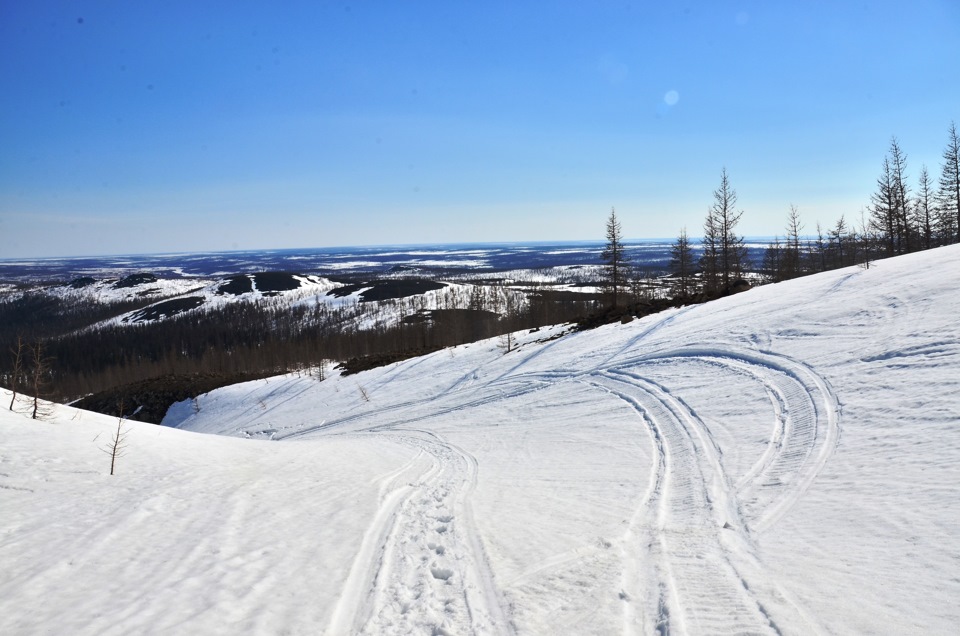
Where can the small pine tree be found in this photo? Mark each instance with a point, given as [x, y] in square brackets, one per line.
[507, 342]
[710, 255]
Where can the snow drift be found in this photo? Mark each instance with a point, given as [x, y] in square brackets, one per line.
[786, 460]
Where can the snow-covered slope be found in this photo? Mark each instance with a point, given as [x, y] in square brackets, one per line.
[786, 460]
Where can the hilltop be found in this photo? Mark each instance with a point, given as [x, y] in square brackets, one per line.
[785, 460]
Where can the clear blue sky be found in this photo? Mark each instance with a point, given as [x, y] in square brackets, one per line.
[129, 127]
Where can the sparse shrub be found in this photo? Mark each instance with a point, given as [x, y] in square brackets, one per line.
[117, 446]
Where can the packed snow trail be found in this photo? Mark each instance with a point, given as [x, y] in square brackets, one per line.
[696, 588]
[701, 575]
[429, 572]
[806, 426]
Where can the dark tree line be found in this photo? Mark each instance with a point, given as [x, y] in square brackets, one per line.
[901, 220]
[722, 261]
[840, 246]
[907, 220]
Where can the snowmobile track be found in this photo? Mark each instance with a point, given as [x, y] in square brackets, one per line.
[696, 588]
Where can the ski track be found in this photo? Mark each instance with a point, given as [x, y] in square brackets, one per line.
[550, 344]
[647, 332]
[422, 567]
[378, 412]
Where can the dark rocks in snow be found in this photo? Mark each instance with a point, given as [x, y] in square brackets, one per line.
[739, 285]
[81, 282]
[133, 280]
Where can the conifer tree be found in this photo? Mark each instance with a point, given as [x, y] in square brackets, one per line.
[891, 202]
[681, 265]
[791, 251]
[616, 268]
[924, 210]
[725, 255]
[710, 256]
[38, 380]
[949, 193]
[838, 238]
[772, 267]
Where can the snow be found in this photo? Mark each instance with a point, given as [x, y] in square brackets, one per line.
[352, 265]
[311, 289]
[187, 537]
[786, 460]
[106, 291]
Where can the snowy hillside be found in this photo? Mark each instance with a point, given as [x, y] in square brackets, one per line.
[786, 460]
[175, 296]
[377, 303]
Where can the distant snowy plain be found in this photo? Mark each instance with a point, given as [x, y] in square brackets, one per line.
[786, 460]
[467, 259]
[399, 260]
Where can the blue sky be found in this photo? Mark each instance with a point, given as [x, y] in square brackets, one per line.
[132, 127]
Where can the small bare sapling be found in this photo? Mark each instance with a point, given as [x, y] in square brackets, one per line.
[507, 342]
[117, 446]
[17, 369]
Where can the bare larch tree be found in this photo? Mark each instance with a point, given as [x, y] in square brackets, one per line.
[616, 267]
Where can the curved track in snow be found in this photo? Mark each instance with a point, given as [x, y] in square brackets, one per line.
[690, 561]
[806, 426]
[678, 531]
